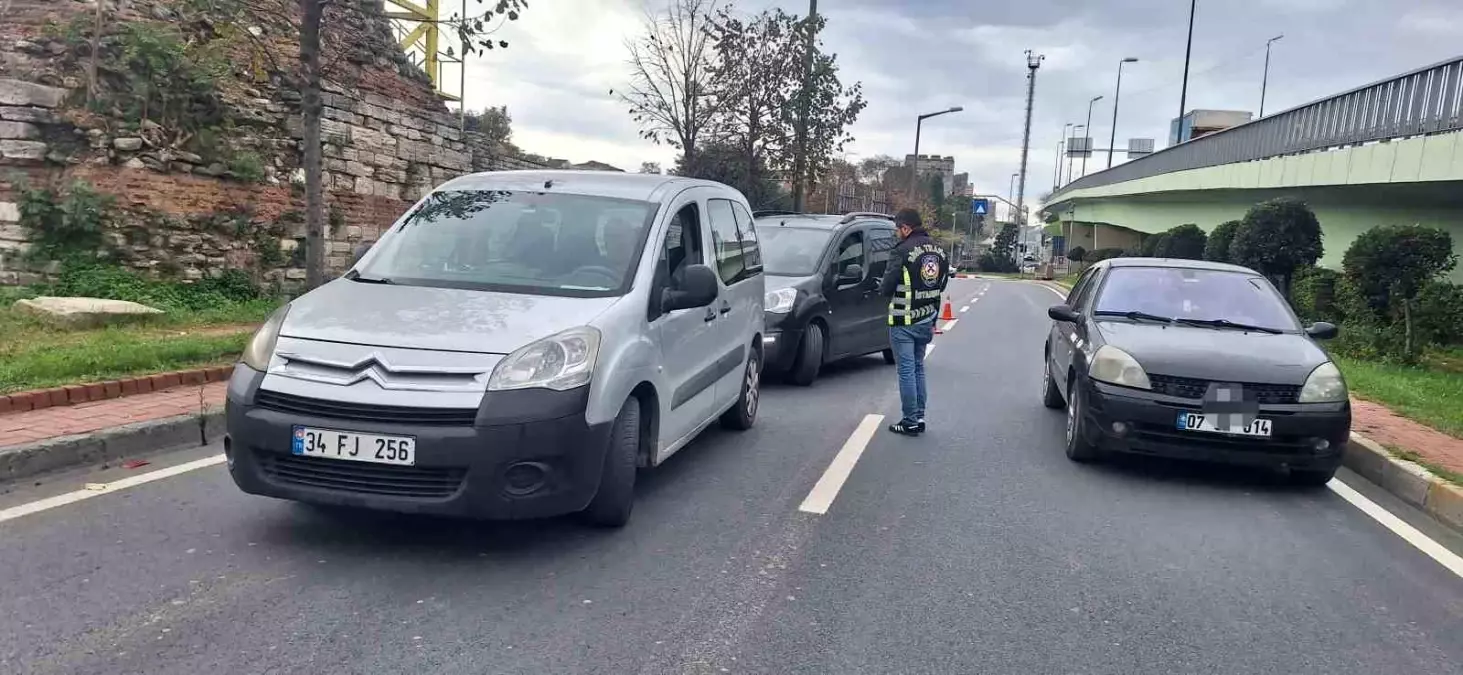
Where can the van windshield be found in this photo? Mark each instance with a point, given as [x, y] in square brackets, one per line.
[520, 242]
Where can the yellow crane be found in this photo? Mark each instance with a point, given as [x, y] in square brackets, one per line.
[418, 28]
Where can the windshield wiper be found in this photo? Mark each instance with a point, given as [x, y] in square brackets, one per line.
[1135, 316]
[356, 276]
[1226, 323]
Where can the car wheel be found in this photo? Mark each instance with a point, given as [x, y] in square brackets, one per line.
[810, 357]
[1079, 449]
[1050, 396]
[744, 414]
[615, 499]
[1313, 479]
[888, 357]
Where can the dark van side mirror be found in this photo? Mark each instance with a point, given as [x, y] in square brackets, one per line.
[1062, 313]
[697, 289]
[852, 274]
[1322, 330]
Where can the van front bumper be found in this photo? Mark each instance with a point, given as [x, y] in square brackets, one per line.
[527, 454]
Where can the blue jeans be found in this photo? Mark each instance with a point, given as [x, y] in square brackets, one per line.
[909, 344]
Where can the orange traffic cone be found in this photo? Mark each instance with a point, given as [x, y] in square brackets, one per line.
[948, 314]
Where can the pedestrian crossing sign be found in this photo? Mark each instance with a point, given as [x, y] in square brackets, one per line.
[979, 207]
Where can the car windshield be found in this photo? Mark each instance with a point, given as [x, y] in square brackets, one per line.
[1195, 294]
[791, 251]
[525, 242]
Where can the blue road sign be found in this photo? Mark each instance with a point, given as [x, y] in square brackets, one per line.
[980, 207]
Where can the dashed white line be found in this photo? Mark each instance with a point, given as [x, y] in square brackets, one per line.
[818, 501]
[929, 348]
[1399, 527]
[99, 489]
[965, 309]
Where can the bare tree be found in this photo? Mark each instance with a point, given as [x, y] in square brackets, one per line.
[669, 93]
[650, 167]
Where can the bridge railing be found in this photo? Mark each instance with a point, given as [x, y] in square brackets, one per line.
[1425, 101]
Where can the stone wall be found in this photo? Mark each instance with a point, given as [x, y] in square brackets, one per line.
[388, 139]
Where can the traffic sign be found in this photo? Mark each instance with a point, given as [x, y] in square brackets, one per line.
[980, 207]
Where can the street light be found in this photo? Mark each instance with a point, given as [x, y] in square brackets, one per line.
[914, 170]
[1062, 143]
[1011, 189]
[1188, 53]
[1094, 100]
[1075, 128]
[1265, 81]
[1117, 93]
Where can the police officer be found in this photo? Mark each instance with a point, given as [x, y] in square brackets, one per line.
[917, 274]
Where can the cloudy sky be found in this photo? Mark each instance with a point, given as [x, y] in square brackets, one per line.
[918, 56]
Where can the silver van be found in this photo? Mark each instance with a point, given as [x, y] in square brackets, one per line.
[515, 346]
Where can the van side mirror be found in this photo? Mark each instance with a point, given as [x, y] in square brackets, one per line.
[697, 289]
[1322, 330]
[852, 274]
[1062, 313]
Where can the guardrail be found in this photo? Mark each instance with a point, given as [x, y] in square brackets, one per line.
[1425, 101]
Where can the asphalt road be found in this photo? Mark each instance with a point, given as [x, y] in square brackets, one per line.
[976, 549]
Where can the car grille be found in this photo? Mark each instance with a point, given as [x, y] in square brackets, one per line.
[1190, 388]
[361, 477]
[273, 400]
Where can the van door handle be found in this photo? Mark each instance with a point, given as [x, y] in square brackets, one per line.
[710, 315]
[725, 307]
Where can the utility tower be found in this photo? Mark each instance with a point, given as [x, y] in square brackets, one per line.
[1033, 62]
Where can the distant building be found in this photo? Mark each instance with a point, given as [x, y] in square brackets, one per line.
[933, 164]
[961, 186]
[1204, 122]
[591, 165]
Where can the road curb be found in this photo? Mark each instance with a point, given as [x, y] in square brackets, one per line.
[1406, 480]
[132, 440]
[55, 397]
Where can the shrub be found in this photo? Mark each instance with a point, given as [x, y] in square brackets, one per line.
[1313, 295]
[247, 167]
[988, 262]
[1075, 255]
[1276, 238]
[1185, 241]
[1217, 248]
[1152, 243]
[66, 224]
[1438, 314]
[1102, 254]
[1388, 266]
[118, 283]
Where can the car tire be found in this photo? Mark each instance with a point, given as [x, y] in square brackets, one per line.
[1051, 397]
[1079, 449]
[888, 357]
[615, 498]
[810, 357]
[743, 415]
[1311, 479]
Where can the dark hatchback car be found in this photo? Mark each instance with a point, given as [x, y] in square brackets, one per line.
[822, 274]
[1194, 360]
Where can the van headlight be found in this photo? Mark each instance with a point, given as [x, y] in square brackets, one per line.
[780, 301]
[1324, 385]
[1115, 366]
[261, 347]
[559, 362]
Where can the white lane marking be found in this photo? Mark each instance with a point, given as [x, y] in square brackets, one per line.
[838, 471]
[949, 324]
[1059, 293]
[965, 309]
[929, 348]
[99, 489]
[1399, 527]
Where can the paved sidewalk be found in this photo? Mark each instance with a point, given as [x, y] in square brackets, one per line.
[1390, 429]
[36, 425]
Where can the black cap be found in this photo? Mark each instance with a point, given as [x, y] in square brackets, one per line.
[909, 218]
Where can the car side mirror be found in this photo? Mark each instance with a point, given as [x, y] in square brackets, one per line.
[1062, 313]
[852, 274]
[697, 289]
[1322, 330]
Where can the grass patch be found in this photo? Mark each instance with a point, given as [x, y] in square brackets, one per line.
[1431, 396]
[1440, 471]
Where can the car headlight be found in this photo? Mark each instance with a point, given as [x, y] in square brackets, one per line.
[1115, 366]
[261, 347]
[1324, 385]
[780, 301]
[559, 362]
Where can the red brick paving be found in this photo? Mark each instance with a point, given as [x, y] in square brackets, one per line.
[1388, 428]
[23, 427]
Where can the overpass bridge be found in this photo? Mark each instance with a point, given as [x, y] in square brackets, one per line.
[1390, 152]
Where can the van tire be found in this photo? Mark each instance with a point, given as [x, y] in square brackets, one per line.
[743, 415]
[615, 498]
[810, 357]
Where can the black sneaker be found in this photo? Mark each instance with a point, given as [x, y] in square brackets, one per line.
[907, 428]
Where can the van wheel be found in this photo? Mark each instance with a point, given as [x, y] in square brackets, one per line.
[810, 357]
[1079, 449]
[744, 414]
[888, 357]
[613, 502]
[1050, 396]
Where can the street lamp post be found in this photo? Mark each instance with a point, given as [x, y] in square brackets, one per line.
[919, 122]
[1075, 129]
[1011, 188]
[1188, 52]
[1094, 100]
[1265, 81]
[1061, 144]
[1117, 93]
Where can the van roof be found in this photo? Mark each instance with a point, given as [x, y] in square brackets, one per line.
[638, 186]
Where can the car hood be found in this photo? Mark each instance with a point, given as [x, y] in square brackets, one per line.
[417, 317]
[1216, 354]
